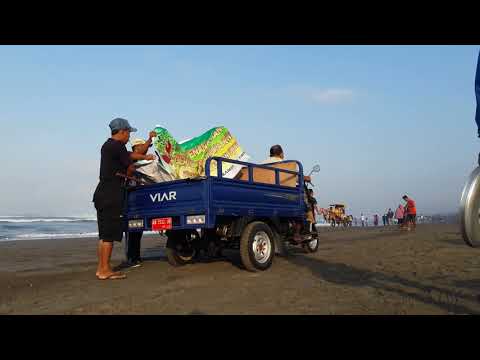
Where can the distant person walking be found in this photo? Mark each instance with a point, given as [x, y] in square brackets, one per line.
[384, 219]
[362, 218]
[390, 217]
[375, 220]
[399, 214]
[411, 213]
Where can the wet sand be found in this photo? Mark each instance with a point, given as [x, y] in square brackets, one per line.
[355, 271]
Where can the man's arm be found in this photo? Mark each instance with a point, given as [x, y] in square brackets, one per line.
[143, 149]
[126, 157]
[137, 156]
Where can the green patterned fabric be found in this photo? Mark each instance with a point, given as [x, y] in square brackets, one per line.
[187, 159]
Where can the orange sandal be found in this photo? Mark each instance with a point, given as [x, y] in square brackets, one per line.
[113, 276]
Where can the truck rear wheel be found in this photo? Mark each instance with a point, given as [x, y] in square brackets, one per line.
[257, 247]
[179, 258]
[179, 250]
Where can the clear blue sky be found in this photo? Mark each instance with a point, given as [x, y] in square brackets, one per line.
[380, 120]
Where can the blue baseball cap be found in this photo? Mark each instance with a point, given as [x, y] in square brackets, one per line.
[121, 124]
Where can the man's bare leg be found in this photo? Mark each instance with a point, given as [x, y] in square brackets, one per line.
[104, 252]
[105, 271]
[99, 252]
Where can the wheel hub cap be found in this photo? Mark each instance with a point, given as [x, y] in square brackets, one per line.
[262, 247]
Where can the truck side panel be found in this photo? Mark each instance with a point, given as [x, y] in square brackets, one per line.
[238, 198]
[176, 199]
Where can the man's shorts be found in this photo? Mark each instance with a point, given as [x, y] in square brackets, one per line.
[412, 218]
[310, 216]
[110, 225]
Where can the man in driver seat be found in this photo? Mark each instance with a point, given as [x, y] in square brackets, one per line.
[277, 155]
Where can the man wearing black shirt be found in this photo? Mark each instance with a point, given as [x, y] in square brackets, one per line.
[109, 195]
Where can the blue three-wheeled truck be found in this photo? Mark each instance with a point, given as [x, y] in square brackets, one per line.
[258, 213]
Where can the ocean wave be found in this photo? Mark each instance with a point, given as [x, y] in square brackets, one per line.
[23, 220]
[44, 236]
[37, 236]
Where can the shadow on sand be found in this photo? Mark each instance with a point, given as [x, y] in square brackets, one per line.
[157, 253]
[343, 274]
[470, 284]
[457, 242]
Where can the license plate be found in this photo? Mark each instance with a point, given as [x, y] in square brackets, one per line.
[161, 224]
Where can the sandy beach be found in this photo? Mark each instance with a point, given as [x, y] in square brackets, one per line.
[356, 271]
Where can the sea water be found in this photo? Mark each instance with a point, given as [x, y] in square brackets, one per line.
[31, 228]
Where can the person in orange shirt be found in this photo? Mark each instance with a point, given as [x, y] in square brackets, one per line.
[411, 211]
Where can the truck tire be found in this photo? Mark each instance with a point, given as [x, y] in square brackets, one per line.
[175, 258]
[257, 246]
[177, 254]
[469, 210]
[312, 246]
